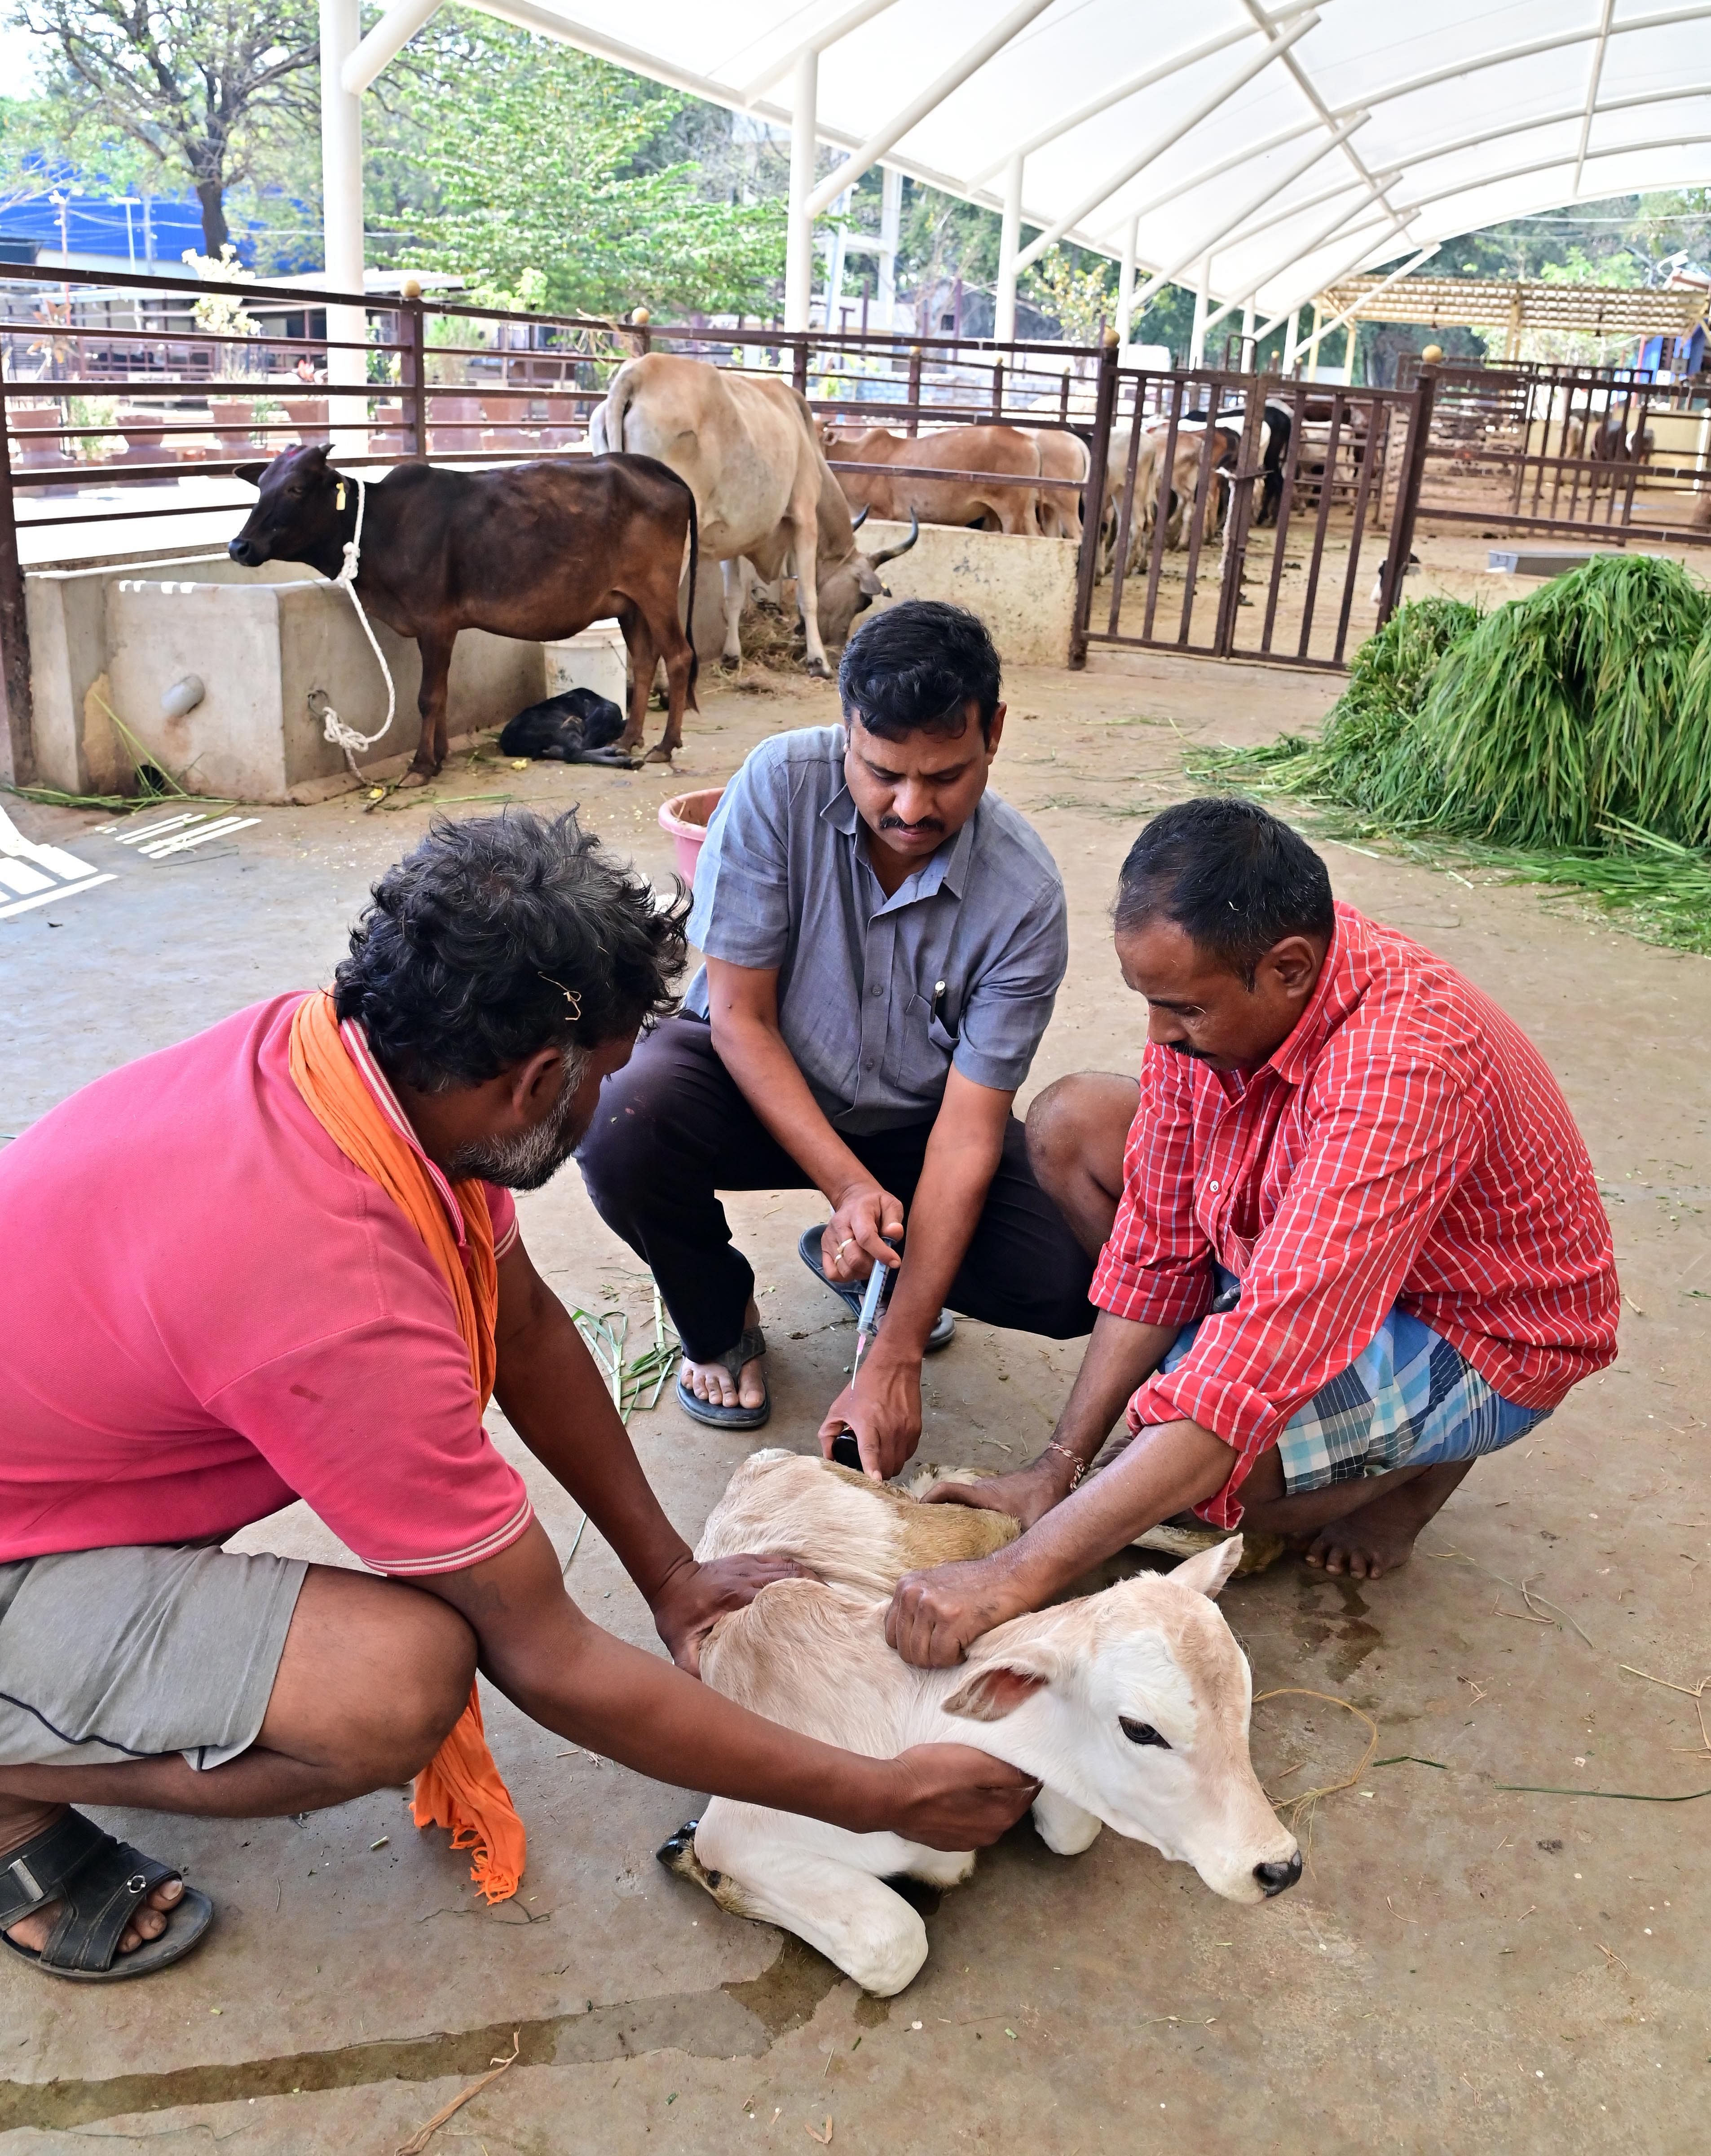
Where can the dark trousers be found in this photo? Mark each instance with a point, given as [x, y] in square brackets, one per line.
[672, 1130]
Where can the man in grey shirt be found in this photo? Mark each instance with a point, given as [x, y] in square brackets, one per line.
[883, 941]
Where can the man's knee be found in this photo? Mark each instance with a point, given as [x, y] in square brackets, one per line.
[1071, 1126]
[428, 1688]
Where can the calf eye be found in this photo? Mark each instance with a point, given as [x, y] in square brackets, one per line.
[1142, 1732]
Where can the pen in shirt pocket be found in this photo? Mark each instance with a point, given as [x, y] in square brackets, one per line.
[936, 1016]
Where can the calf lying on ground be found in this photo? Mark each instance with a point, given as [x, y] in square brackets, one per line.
[1131, 1706]
[578, 727]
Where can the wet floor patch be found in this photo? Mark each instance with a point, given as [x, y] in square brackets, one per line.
[732, 2021]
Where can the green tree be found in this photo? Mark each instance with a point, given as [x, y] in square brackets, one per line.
[525, 154]
[199, 86]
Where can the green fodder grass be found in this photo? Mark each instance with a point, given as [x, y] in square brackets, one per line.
[1582, 707]
[1563, 740]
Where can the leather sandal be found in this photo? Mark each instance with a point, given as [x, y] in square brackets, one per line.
[103, 1883]
[849, 1293]
[753, 1344]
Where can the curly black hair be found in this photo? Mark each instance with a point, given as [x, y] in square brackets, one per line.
[500, 935]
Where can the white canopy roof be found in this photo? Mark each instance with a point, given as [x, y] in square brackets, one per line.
[1294, 144]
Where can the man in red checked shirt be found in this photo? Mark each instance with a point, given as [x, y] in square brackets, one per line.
[1352, 1241]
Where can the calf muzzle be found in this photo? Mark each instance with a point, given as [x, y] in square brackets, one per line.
[1276, 1878]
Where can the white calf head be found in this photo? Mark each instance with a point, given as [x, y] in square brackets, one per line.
[1134, 1703]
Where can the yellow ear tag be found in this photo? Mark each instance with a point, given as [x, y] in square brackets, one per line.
[339, 504]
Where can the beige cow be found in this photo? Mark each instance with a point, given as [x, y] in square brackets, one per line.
[1131, 1706]
[747, 446]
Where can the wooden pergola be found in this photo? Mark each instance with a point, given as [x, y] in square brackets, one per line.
[1611, 310]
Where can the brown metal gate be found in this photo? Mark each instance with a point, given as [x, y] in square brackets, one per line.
[1588, 452]
[1249, 516]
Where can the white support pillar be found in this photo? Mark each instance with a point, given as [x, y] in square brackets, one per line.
[1292, 349]
[1249, 355]
[1196, 341]
[1313, 341]
[341, 198]
[837, 253]
[799, 241]
[890, 231]
[1125, 286]
[1009, 246]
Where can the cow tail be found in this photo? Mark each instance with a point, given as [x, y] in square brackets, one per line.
[694, 557]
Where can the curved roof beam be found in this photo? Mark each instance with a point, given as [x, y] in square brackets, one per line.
[1308, 89]
[1476, 62]
[1173, 134]
[384, 42]
[864, 11]
[1398, 223]
[887, 137]
[1413, 159]
[1245, 155]
[1238, 236]
[1593, 80]
[1205, 244]
[1413, 211]
[1472, 185]
[1133, 87]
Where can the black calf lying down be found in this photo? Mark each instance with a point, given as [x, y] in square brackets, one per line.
[578, 727]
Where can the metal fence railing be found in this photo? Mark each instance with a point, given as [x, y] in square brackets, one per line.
[1587, 453]
[1219, 513]
[1231, 492]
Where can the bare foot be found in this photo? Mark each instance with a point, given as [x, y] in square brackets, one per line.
[33, 1931]
[1379, 1538]
[713, 1383]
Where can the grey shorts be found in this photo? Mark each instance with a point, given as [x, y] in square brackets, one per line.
[109, 1655]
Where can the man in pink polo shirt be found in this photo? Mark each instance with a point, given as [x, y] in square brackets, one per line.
[221, 1312]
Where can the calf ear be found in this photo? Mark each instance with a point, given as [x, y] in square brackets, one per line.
[993, 1692]
[1207, 1573]
[249, 474]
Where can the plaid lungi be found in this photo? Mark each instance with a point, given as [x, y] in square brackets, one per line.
[1410, 1400]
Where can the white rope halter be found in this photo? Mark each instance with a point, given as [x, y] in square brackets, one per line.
[333, 727]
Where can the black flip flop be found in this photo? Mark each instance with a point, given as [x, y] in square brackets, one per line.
[752, 1344]
[102, 1883]
[849, 1293]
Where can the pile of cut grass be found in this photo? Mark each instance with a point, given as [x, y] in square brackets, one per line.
[1563, 739]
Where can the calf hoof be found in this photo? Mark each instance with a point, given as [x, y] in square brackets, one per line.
[820, 670]
[678, 1857]
[730, 661]
[659, 754]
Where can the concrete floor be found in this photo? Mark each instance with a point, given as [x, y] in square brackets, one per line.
[1461, 1969]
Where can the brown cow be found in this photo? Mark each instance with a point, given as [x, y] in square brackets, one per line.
[1064, 465]
[949, 500]
[536, 550]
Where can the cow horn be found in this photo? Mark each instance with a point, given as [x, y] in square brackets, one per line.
[859, 519]
[890, 553]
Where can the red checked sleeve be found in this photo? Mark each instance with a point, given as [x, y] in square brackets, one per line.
[1156, 1268]
[1390, 1139]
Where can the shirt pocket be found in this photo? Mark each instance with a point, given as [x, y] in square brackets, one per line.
[923, 1051]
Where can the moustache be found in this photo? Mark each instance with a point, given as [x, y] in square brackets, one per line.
[1194, 1055]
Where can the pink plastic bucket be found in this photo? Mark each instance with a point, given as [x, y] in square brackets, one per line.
[686, 816]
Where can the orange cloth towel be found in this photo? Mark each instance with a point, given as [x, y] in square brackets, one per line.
[460, 1787]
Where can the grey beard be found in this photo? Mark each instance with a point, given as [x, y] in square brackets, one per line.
[535, 1157]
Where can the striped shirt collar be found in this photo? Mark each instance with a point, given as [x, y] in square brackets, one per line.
[356, 1047]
